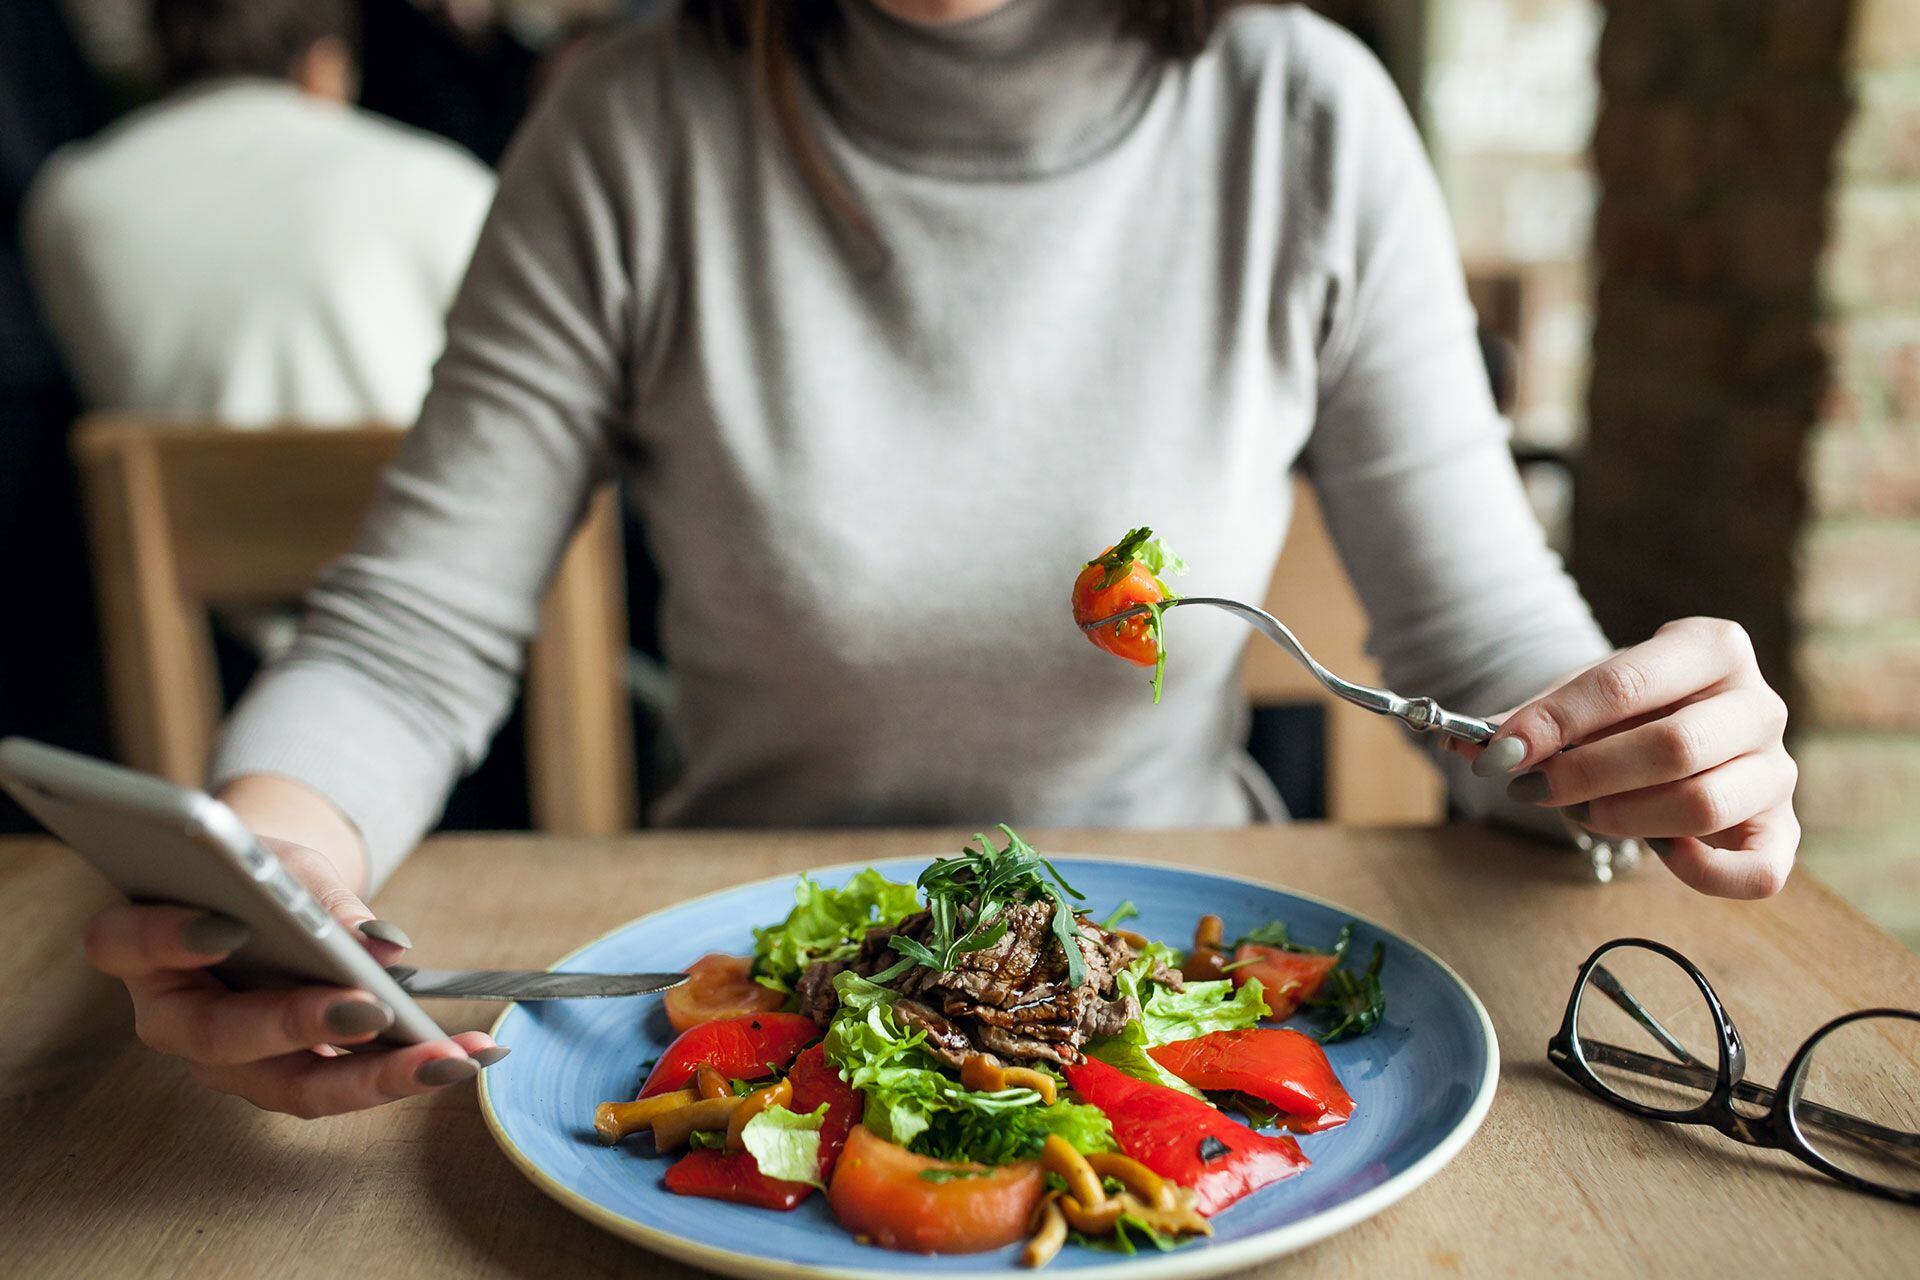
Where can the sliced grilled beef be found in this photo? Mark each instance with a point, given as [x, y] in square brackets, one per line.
[1012, 1000]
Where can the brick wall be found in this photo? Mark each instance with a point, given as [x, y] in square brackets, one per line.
[1755, 409]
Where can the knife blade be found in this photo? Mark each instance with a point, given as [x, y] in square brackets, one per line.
[527, 984]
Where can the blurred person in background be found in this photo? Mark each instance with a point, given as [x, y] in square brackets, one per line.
[892, 312]
[252, 249]
[49, 673]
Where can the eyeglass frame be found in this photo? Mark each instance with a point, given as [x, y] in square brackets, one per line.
[1778, 1129]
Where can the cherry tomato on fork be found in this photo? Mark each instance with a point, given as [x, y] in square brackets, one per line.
[1117, 580]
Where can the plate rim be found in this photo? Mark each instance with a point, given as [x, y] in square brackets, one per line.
[1183, 1264]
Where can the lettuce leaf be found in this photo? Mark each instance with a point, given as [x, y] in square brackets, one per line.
[786, 1145]
[912, 1100]
[1128, 1052]
[827, 924]
[1167, 1015]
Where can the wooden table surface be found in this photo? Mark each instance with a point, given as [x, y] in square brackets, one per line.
[112, 1163]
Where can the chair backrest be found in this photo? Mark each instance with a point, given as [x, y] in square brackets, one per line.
[187, 517]
[1376, 776]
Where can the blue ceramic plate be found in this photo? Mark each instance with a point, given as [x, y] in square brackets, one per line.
[1421, 1084]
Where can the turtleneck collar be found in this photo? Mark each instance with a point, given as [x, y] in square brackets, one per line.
[1032, 88]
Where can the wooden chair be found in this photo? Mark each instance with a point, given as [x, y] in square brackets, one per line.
[185, 518]
[1376, 776]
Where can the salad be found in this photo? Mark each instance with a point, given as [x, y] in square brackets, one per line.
[972, 1061]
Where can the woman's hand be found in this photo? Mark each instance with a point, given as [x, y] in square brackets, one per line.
[1678, 740]
[272, 1047]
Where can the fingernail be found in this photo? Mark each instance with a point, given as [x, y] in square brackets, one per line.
[381, 931]
[358, 1017]
[214, 935]
[443, 1071]
[1500, 757]
[1530, 788]
[1578, 812]
[1660, 845]
[491, 1054]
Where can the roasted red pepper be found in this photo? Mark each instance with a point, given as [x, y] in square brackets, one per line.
[1285, 1068]
[732, 1175]
[1182, 1138]
[815, 1080]
[749, 1048]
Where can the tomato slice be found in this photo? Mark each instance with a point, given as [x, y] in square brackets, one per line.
[878, 1193]
[1182, 1138]
[718, 987]
[1288, 978]
[732, 1176]
[1286, 1068]
[815, 1080]
[1132, 639]
[749, 1048]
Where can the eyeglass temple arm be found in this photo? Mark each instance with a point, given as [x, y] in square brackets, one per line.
[1702, 1077]
[1617, 992]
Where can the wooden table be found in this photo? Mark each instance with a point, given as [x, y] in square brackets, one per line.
[112, 1163]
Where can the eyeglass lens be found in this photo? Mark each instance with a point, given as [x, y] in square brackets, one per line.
[1647, 1032]
[1858, 1103]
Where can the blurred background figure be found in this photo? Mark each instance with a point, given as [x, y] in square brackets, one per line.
[49, 676]
[251, 249]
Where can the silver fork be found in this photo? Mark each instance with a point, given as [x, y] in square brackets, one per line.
[1424, 715]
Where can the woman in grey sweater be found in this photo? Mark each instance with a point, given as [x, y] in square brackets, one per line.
[891, 312]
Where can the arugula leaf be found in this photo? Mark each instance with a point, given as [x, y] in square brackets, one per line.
[786, 1145]
[1141, 545]
[1121, 914]
[1274, 933]
[911, 1100]
[827, 924]
[1352, 1003]
[967, 895]
[1121, 1240]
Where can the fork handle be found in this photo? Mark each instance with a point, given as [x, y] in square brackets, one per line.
[1428, 716]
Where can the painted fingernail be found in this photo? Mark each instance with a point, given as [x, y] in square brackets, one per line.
[1660, 845]
[358, 1017]
[1500, 757]
[381, 931]
[491, 1054]
[1529, 788]
[1578, 812]
[443, 1071]
[214, 935]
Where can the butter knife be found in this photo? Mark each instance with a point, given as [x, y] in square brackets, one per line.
[526, 984]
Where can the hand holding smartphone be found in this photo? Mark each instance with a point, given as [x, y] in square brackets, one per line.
[248, 1014]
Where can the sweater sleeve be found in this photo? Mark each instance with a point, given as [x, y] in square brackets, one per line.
[412, 645]
[1409, 456]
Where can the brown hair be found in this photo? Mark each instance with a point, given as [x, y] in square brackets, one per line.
[200, 39]
[773, 33]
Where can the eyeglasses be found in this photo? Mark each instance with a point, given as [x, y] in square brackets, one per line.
[1644, 1025]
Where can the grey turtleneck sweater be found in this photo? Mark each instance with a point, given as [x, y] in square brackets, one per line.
[1114, 289]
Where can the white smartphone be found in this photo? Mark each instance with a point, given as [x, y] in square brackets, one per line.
[160, 843]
